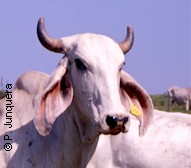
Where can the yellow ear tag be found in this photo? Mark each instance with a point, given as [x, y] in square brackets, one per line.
[135, 110]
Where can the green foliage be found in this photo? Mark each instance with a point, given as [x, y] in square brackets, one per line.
[2, 94]
[161, 102]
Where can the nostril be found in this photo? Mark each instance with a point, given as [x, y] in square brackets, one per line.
[111, 121]
[125, 119]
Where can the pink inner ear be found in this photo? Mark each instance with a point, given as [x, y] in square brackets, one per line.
[52, 103]
[58, 99]
[41, 124]
[65, 84]
[137, 95]
[125, 99]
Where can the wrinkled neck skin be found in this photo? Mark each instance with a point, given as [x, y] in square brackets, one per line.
[77, 145]
[88, 131]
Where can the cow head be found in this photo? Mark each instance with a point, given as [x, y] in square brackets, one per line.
[90, 78]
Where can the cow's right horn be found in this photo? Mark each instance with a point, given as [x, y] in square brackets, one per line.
[47, 41]
[127, 43]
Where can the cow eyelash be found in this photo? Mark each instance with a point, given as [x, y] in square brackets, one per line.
[80, 65]
[121, 67]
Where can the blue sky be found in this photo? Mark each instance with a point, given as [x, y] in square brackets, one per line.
[161, 54]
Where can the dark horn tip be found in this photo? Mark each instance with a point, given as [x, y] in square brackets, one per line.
[127, 43]
[41, 19]
[46, 40]
[40, 22]
[41, 30]
[130, 32]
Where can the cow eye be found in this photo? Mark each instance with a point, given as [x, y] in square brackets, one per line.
[121, 67]
[80, 65]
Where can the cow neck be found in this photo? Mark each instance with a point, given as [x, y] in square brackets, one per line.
[86, 129]
[82, 149]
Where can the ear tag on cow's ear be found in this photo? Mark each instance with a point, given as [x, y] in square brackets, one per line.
[135, 111]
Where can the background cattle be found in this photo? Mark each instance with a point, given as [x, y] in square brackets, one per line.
[180, 96]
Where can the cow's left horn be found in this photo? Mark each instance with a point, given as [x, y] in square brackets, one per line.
[47, 41]
[127, 43]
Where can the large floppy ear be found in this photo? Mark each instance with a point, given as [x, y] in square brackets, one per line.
[54, 98]
[135, 98]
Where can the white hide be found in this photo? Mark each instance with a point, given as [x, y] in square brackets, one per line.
[166, 144]
[57, 119]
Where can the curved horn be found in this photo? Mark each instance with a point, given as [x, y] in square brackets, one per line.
[47, 41]
[127, 43]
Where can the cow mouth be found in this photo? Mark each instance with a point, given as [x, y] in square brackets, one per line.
[115, 131]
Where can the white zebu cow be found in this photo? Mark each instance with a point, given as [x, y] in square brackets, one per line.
[56, 120]
[166, 144]
[180, 96]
